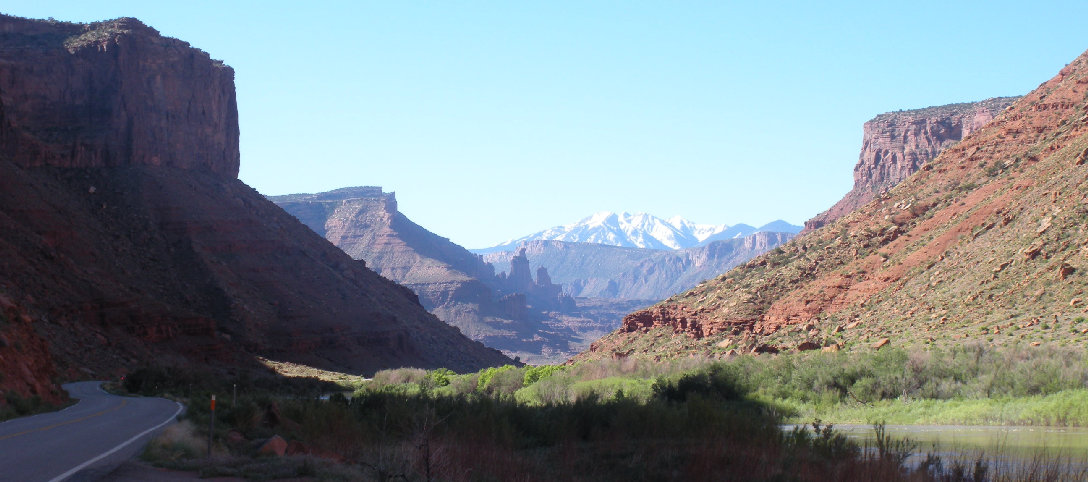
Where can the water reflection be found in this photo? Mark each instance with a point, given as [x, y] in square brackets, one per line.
[1022, 441]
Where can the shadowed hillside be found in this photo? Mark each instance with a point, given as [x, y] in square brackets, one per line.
[126, 238]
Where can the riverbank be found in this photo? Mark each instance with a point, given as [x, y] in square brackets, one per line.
[1066, 408]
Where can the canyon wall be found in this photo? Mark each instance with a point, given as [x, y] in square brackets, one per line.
[504, 311]
[113, 93]
[897, 144]
[987, 244]
[126, 239]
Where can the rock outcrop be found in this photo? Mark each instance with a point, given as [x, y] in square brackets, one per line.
[509, 312]
[988, 236]
[126, 239]
[112, 94]
[540, 292]
[897, 144]
[26, 362]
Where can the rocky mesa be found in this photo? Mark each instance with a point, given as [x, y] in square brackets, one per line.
[126, 238]
[896, 144]
[112, 94]
[508, 311]
[987, 242]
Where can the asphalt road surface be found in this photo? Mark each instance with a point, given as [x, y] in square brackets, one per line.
[84, 441]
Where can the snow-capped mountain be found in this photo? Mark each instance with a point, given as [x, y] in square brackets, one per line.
[636, 231]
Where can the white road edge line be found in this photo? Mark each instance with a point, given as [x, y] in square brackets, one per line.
[115, 449]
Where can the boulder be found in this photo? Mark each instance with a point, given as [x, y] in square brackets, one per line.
[274, 446]
[297, 448]
[807, 346]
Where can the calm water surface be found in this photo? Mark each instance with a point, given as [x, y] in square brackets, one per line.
[1052, 441]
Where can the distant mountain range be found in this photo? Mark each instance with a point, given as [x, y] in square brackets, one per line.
[642, 231]
[525, 317]
[602, 271]
[535, 319]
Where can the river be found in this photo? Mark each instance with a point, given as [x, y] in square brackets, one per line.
[1010, 449]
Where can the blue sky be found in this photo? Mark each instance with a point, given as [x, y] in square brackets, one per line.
[492, 120]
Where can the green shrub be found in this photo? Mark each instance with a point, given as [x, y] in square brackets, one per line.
[440, 377]
[714, 382]
[638, 389]
[537, 373]
[549, 391]
[399, 376]
[502, 382]
[488, 374]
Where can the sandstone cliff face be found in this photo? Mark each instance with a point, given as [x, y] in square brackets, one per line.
[506, 312]
[897, 144]
[126, 239]
[633, 274]
[113, 93]
[364, 222]
[989, 240]
[25, 359]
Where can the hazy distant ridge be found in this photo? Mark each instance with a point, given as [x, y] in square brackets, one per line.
[642, 231]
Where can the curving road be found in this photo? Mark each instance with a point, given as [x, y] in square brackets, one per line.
[84, 441]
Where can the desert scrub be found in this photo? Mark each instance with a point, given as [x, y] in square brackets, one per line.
[698, 416]
[177, 446]
[16, 405]
[399, 376]
[181, 447]
[621, 419]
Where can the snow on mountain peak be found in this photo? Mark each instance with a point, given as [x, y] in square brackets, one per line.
[640, 230]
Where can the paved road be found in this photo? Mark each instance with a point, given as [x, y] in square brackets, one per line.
[84, 441]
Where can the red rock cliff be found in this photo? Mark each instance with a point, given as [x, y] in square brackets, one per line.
[896, 144]
[113, 93]
[126, 238]
[985, 244]
[453, 283]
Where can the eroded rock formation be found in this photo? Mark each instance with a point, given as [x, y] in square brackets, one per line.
[635, 274]
[111, 94]
[897, 144]
[986, 243]
[126, 239]
[504, 311]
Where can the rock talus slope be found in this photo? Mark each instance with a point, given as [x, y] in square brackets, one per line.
[989, 241]
[126, 238]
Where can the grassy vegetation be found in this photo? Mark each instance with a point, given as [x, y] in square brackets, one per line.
[968, 384]
[625, 419]
[1065, 408]
[412, 424]
[971, 384]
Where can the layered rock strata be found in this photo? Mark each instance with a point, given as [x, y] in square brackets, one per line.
[110, 94]
[986, 243]
[504, 311]
[897, 144]
[126, 239]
